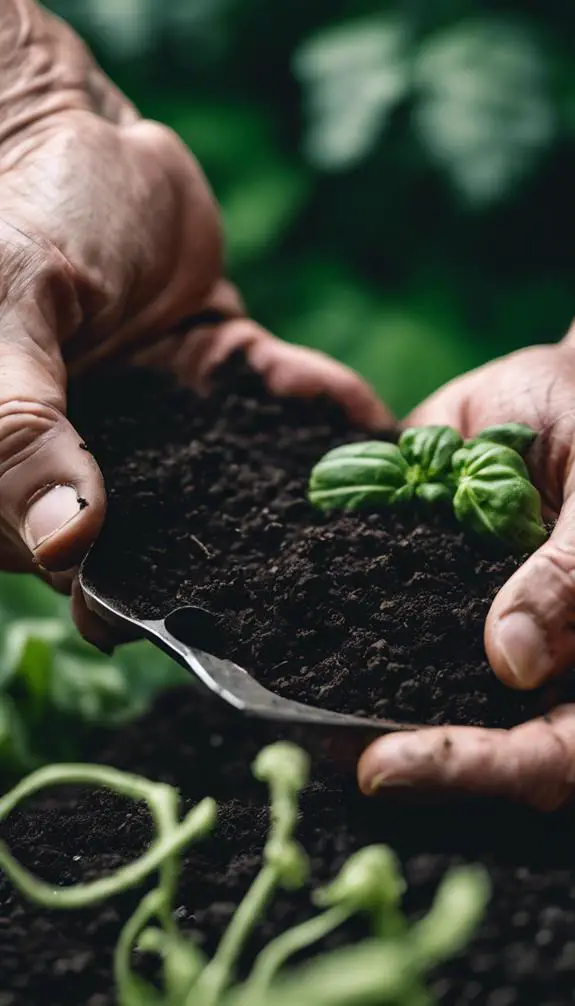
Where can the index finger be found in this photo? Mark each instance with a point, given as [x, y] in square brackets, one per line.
[533, 763]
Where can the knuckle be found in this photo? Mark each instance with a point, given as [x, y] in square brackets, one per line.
[544, 588]
[350, 382]
[39, 300]
[30, 264]
[24, 428]
[557, 562]
[164, 140]
[555, 788]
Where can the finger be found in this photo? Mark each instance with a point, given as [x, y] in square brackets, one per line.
[183, 349]
[62, 582]
[533, 763]
[297, 370]
[52, 498]
[287, 370]
[444, 408]
[530, 630]
[93, 628]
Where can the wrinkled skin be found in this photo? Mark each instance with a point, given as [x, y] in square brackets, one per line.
[109, 249]
[530, 634]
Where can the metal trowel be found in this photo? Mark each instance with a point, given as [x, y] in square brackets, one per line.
[338, 736]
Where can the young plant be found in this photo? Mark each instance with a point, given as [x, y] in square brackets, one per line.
[484, 479]
[388, 967]
[374, 473]
[495, 496]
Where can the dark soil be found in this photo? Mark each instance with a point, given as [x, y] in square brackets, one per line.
[365, 613]
[378, 614]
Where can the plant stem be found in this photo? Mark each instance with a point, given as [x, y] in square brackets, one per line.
[216, 976]
[275, 955]
[163, 803]
[147, 908]
[169, 872]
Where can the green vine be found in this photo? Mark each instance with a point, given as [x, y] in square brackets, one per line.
[389, 967]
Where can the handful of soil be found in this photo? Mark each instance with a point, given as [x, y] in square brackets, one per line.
[379, 614]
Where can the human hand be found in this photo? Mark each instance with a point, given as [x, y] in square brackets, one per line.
[109, 250]
[529, 634]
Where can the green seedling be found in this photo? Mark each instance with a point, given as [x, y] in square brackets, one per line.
[495, 496]
[356, 475]
[428, 451]
[485, 479]
[515, 435]
[390, 966]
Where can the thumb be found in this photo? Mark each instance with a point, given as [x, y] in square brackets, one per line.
[52, 498]
[530, 630]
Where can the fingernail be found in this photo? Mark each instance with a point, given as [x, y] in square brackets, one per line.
[49, 514]
[524, 649]
[385, 780]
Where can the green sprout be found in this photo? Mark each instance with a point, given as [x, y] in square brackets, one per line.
[484, 479]
[428, 451]
[357, 475]
[390, 966]
[495, 496]
[515, 435]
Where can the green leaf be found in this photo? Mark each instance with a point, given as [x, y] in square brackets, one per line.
[59, 686]
[372, 473]
[485, 112]
[458, 908]
[40, 634]
[353, 76]
[369, 881]
[518, 436]
[283, 764]
[369, 974]
[27, 597]
[486, 456]
[494, 496]
[430, 449]
[433, 492]
[35, 673]
[93, 690]
[16, 757]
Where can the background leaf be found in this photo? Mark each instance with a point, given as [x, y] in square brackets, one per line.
[56, 689]
[353, 75]
[485, 113]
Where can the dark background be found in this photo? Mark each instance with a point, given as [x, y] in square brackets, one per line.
[396, 178]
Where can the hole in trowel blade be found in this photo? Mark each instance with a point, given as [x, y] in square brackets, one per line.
[197, 627]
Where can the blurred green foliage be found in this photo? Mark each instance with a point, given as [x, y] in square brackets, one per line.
[395, 177]
[56, 690]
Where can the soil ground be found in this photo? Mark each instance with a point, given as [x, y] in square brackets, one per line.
[368, 613]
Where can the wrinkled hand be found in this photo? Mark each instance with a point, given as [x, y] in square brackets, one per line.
[109, 249]
[530, 630]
